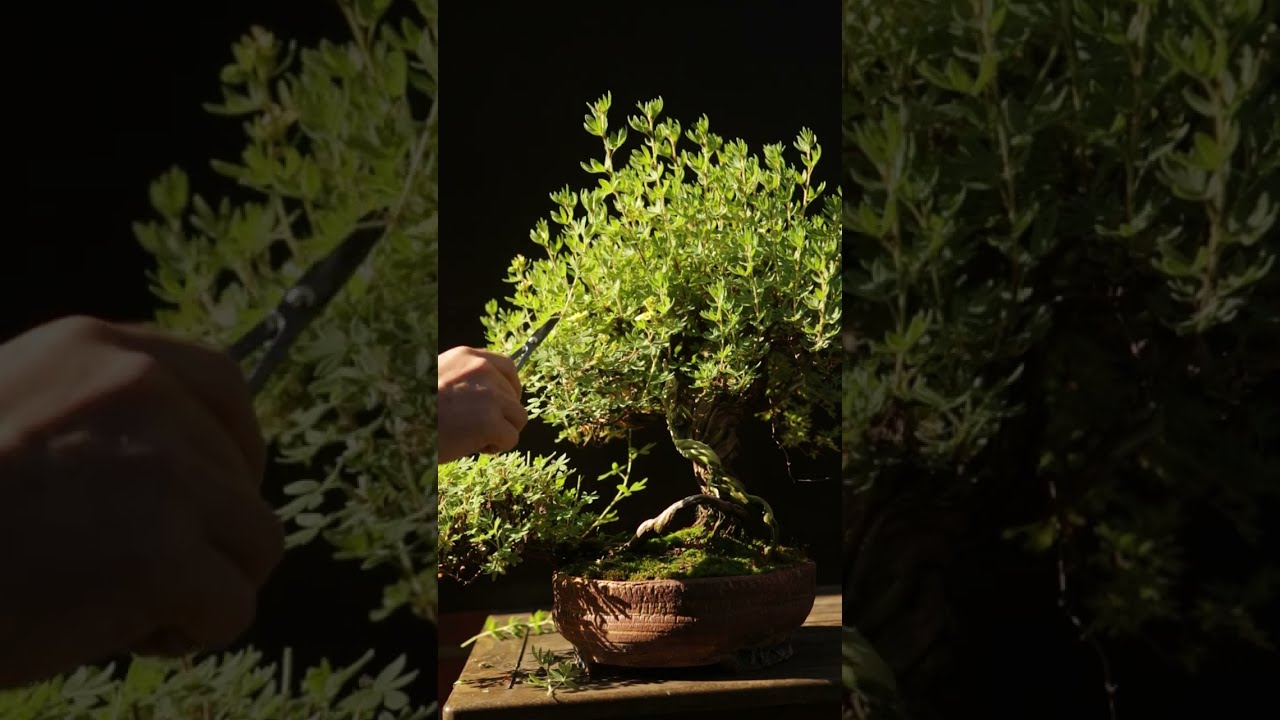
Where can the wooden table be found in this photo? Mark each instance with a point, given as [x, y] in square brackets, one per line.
[805, 686]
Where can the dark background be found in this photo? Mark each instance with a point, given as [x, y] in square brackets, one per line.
[101, 98]
[513, 134]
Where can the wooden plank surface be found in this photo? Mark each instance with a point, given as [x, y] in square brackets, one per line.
[808, 683]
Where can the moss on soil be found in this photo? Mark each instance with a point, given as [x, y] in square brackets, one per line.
[689, 553]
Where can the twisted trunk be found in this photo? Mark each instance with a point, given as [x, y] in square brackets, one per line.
[717, 427]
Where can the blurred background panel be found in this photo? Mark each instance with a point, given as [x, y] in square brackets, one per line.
[100, 99]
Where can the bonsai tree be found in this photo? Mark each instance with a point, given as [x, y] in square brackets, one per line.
[696, 284]
[693, 286]
[1061, 237]
[338, 137]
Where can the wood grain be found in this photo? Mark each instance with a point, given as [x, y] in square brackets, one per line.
[807, 685]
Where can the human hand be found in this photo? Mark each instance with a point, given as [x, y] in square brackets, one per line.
[480, 409]
[130, 512]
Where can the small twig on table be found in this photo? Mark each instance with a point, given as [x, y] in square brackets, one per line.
[519, 659]
[539, 622]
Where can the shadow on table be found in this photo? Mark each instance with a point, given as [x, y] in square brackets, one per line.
[816, 655]
[488, 682]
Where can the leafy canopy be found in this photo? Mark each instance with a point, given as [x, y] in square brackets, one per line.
[692, 263]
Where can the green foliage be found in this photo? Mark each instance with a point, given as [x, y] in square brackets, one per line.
[554, 671]
[235, 686]
[497, 509]
[692, 264]
[539, 622]
[1061, 236]
[339, 137]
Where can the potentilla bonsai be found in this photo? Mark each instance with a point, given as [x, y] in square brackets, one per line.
[697, 286]
[1063, 320]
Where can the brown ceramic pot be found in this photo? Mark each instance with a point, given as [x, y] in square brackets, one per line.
[681, 623]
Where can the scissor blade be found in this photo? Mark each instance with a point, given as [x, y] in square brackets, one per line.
[545, 330]
[302, 303]
[330, 274]
[522, 355]
[257, 336]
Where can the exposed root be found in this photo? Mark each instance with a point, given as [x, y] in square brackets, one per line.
[658, 525]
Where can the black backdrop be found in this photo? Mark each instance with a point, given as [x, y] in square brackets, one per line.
[99, 99]
[513, 133]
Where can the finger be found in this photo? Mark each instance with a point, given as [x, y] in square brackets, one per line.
[206, 605]
[189, 422]
[242, 526]
[513, 412]
[503, 436]
[506, 368]
[234, 517]
[202, 466]
[211, 376]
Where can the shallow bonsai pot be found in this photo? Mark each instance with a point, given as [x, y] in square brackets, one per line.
[681, 623]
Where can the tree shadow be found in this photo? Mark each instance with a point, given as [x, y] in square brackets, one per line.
[498, 679]
[814, 654]
[592, 608]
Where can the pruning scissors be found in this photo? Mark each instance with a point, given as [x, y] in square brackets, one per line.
[303, 303]
[307, 299]
[522, 355]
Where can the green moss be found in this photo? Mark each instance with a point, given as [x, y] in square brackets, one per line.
[689, 553]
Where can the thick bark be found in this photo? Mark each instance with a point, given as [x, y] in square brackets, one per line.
[715, 425]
